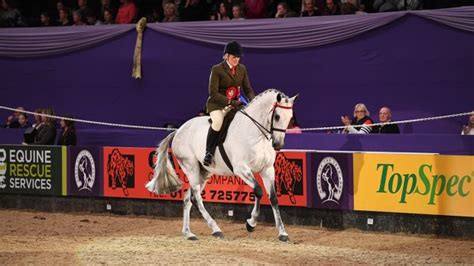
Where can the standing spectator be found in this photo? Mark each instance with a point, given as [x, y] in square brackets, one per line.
[385, 116]
[108, 17]
[170, 13]
[127, 12]
[331, 8]
[68, 132]
[361, 119]
[237, 13]
[10, 16]
[284, 11]
[256, 8]
[469, 128]
[64, 17]
[310, 9]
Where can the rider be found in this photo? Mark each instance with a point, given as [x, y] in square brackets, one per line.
[225, 82]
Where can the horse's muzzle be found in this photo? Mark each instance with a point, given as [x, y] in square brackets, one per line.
[277, 145]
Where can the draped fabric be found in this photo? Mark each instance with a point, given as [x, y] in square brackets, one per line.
[259, 33]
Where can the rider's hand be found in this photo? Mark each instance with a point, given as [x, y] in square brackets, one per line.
[235, 103]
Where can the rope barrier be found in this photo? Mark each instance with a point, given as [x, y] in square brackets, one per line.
[172, 129]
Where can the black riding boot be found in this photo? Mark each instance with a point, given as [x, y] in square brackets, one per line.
[211, 143]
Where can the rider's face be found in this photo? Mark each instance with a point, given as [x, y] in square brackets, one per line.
[233, 60]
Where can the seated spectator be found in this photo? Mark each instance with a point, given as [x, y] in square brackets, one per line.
[106, 5]
[385, 115]
[108, 17]
[348, 9]
[284, 11]
[361, 119]
[30, 133]
[46, 20]
[46, 130]
[68, 132]
[126, 13]
[293, 126]
[310, 9]
[331, 7]
[469, 128]
[77, 18]
[12, 120]
[23, 121]
[395, 5]
[171, 13]
[256, 9]
[223, 13]
[91, 18]
[64, 17]
[237, 13]
[10, 16]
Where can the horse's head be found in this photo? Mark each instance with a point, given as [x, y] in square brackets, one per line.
[282, 112]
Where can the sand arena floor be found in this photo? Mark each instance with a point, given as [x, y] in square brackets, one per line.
[57, 238]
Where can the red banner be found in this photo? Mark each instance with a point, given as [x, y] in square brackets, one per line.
[127, 170]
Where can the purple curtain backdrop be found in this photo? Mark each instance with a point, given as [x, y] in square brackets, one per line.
[416, 66]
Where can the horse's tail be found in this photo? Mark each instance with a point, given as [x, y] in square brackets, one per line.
[164, 179]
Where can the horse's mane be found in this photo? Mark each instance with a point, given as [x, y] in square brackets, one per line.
[259, 96]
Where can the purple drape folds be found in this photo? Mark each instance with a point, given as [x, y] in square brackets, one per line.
[35, 42]
[260, 33]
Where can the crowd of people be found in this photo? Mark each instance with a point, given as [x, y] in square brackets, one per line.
[42, 130]
[22, 13]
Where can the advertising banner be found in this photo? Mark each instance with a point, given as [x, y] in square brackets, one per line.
[331, 179]
[127, 170]
[85, 176]
[422, 184]
[32, 169]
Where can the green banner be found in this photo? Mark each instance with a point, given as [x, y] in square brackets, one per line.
[31, 169]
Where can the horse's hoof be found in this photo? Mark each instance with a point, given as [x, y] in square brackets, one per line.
[192, 238]
[218, 234]
[249, 227]
[283, 238]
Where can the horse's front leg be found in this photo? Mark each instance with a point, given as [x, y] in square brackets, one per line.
[247, 176]
[268, 177]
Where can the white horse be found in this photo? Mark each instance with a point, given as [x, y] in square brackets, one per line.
[254, 134]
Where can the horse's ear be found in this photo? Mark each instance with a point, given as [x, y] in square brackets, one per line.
[279, 97]
[293, 99]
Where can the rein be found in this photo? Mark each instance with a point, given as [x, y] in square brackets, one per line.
[262, 128]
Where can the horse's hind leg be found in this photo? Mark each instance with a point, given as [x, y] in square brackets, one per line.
[196, 192]
[187, 204]
[268, 177]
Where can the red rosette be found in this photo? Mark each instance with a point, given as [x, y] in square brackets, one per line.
[232, 93]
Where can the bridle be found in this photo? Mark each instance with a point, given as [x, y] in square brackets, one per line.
[262, 128]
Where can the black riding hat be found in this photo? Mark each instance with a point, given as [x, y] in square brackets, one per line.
[234, 49]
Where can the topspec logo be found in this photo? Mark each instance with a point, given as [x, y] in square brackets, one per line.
[84, 171]
[329, 180]
[3, 168]
[121, 170]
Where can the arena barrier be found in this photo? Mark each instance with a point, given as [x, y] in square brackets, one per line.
[367, 190]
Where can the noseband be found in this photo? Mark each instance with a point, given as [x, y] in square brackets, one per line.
[272, 128]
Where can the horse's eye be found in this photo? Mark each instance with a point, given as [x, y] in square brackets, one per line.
[277, 117]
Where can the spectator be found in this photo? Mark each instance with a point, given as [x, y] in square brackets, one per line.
[309, 9]
[361, 119]
[77, 18]
[193, 10]
[385, 116]
[106, 5]
[283, 11]
[23, 121]
[30, 133]
[171, 13]
[46, 131]
[12, 120]
[91, 18]
[395, 5]
[108, 17]
[237, 13]
[127, 12]
[293, 126]
[64, 17]
[46, 20]
[223, 13]
[469, 128]
[68, 132]
[256, 8]
[331, 8]
[348, 9]
[10, 16]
